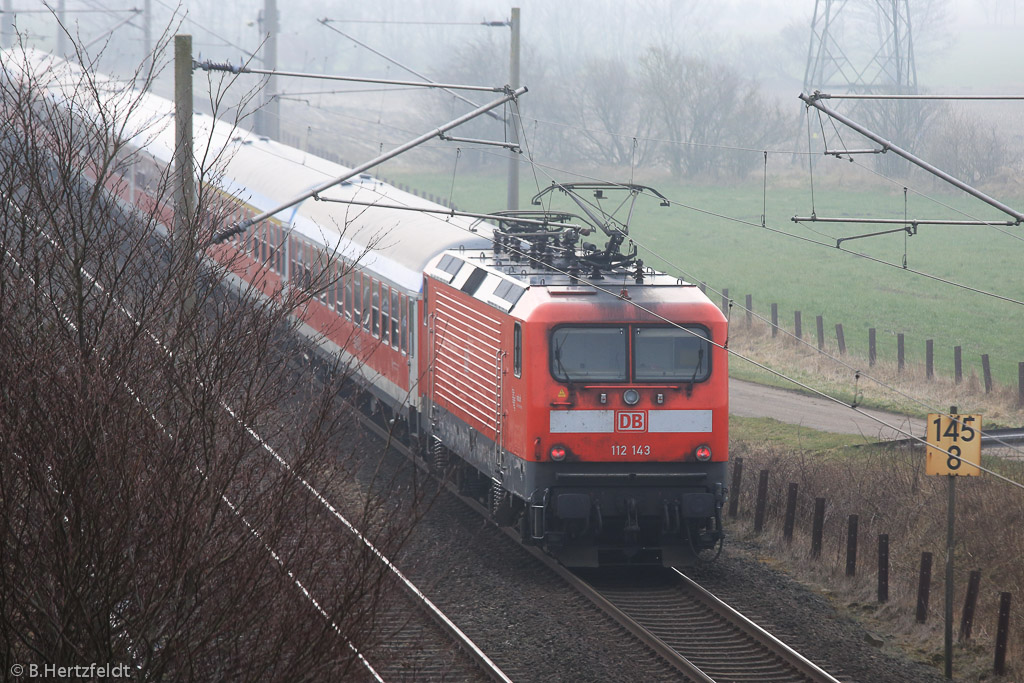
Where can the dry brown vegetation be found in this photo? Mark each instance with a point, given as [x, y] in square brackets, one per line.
[142, 523]
[888, 490]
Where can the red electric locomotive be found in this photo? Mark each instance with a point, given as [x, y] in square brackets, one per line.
[585, 396]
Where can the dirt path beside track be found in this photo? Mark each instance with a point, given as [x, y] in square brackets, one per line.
[747, 399]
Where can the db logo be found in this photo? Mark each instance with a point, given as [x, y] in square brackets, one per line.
[631, 421]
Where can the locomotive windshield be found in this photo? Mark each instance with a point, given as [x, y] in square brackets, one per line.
[589, 353]
[669, 353]
[657, 354]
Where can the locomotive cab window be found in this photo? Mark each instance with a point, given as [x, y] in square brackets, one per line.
[589, 354]
[517, 350]
[671, 354]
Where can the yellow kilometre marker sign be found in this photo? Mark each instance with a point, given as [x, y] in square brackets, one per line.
[960, 436]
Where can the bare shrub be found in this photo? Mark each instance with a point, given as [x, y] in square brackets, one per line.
[142, 522]
[888, 490]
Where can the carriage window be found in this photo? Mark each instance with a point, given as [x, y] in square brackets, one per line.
[278, 249]
[349, 296]
[589, 353]
[396, 306]
[293, 268]
[367, 284]
[339, 288]
[405, 328]
[375, 307]
[385, 317]
[357, 300]
[309, 264]
[671, 353]
[412, 325]
[323, 276]
[331, 283]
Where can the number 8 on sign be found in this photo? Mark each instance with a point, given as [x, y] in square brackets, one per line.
[954, 445]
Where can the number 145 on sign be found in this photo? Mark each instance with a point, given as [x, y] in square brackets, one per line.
[960, 437]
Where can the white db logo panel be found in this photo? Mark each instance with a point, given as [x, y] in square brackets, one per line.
[631, 420]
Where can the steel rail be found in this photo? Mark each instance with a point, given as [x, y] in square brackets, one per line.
[759, 634]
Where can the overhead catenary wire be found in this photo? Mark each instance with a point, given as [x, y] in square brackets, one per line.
[326, 23]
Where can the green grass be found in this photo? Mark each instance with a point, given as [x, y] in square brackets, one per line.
[821, 280]
[787, 436]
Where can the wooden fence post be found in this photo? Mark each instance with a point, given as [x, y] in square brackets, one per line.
[929, 358]
[883, 567]
[901, 352]
[734, 491]
[787, 529]
[841, 339]
[851, 546]
[797, 327]
[872, 348]
[725, 300]
[986, 371]
[762, 501]
[750, 310]
[924, 586]
[970, 603]
[1002, 634]
[818, 527]
[958, 364]
[821, 332]
[1020, 384]
[775, 320]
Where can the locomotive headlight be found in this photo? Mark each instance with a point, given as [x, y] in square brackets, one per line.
[703, 453]
[631, 397]
[558, 453]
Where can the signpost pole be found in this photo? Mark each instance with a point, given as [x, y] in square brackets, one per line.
[955, 440]
[951, 515]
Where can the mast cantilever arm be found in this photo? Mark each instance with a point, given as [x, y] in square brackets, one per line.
[244, 225]
[815, 100]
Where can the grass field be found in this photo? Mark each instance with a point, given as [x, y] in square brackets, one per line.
[734, 252]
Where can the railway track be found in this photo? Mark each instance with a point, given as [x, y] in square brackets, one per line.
[717, 639]
[698, 635]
